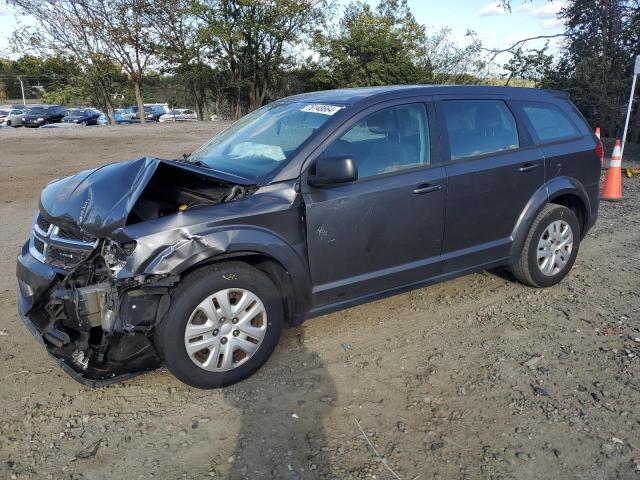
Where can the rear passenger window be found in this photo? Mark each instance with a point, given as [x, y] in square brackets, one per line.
[395, 138]
[478, 127]
[549, 122]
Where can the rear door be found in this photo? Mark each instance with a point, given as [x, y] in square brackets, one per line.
[384, 230]
[493, 170]
[566, 141]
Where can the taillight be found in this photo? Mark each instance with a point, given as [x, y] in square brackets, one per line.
[600, 152]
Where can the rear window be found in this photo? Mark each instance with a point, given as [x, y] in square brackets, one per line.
[478, 127]
[549, 122]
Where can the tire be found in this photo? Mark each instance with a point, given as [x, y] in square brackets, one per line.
[534, 270]
[204, 287]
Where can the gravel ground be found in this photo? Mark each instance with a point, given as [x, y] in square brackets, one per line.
[437, 379]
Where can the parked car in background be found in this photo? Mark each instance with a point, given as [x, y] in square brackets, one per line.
[13, 118]
[102, 119]
[85, 116]
[152, 113]
[38, 115]
[125, 114]
[179, 115]
[311, 204]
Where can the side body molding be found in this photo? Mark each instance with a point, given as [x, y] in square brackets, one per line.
[554, 188]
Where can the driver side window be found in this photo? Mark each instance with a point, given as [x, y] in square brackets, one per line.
[391, 139]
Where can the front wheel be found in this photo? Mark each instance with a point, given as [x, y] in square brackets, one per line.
[224, 322]
[550, 249]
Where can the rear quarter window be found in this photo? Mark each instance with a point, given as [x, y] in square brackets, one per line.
[549, 123]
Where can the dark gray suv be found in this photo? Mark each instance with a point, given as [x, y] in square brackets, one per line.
[308, 205]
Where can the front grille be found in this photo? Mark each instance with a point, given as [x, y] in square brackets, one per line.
[65, 258]
[39, 244]
[60, 247]
[77, 236]
[43, 224]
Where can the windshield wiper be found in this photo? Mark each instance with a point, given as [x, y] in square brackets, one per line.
[185, 159]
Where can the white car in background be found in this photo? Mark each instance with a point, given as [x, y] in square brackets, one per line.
[11, 116]
[179, 115]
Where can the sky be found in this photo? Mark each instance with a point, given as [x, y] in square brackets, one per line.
[496, 27]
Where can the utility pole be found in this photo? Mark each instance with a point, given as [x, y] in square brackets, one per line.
[636, 72]
[24, 102]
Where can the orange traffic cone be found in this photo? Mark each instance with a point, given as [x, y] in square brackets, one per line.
[612, 189]
[599, 148]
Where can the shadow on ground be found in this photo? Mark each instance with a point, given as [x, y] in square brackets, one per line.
[282, 433]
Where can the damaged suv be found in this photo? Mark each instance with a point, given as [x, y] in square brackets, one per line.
[308, 205]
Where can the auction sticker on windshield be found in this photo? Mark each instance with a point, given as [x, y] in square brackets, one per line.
[321, 108]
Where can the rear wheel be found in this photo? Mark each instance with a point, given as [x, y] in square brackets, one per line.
[550, 249]
[224, 322]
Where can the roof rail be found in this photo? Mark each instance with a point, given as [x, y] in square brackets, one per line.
[559, 93]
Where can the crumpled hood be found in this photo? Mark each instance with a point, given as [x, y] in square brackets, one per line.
[98, 201]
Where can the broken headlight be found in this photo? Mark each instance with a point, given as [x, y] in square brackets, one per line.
[115, 255]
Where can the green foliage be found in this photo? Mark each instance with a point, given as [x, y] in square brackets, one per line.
[380, 46]
[533, 65]
[603, 38]
[67, 95]
[254, 39]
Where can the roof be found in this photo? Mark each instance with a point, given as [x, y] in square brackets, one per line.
[350, 96]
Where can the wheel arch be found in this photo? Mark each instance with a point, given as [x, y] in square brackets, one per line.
[564, 191]
[293, 300]
[258, 247]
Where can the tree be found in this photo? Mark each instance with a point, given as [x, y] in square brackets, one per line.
[531, 64]
[64, 29]
[596, 63]
[380, 46]
[121, 27]
[181, 49]
[255, 39]
[450, 62]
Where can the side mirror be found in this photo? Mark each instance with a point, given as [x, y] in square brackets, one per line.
[333, 170]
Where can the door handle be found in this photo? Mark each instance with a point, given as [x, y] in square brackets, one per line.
[426, 188]
[527, 167]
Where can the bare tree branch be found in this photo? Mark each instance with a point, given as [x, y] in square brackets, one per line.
[519, 43]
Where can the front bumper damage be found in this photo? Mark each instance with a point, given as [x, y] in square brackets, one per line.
[83, 290]
[100, 332]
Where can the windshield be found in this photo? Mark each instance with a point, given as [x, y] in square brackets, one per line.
[174, 112]
[36, 110]
[4, 112]
[75, 111]
[260, 142]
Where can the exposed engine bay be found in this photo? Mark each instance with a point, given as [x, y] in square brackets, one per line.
[173, 189]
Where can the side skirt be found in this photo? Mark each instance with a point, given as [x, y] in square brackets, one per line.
[334, 307]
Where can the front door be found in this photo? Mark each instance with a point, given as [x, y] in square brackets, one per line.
[384, 230]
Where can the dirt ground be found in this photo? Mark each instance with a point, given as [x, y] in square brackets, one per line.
[434, 377]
